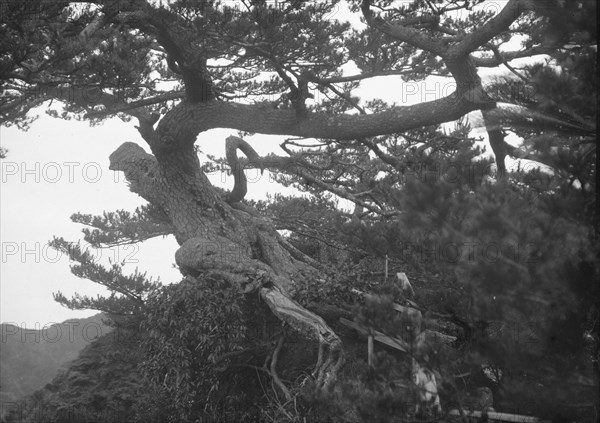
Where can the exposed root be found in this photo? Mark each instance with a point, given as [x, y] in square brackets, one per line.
[319, 360]
[310, 326]
[252, 275]
[327, 371]
[299, 318]
[274, 376]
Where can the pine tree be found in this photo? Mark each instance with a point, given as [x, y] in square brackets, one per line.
[484, 255]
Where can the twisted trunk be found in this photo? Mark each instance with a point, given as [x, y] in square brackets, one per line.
[218, 239]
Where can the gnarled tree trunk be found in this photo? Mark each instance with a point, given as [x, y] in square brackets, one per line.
[218, 239]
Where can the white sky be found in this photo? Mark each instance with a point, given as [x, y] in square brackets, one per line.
[60, 167]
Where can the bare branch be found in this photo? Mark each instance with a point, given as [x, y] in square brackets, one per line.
[506, 56]
[352, 78]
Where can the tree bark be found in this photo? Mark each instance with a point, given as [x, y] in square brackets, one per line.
[219, 240]
[183, 123]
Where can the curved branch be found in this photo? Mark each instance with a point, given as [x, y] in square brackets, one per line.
[184, 122]
[240, 187]
[495, 26]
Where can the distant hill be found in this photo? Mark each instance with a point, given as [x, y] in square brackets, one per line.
[102, 385]
[31, 358]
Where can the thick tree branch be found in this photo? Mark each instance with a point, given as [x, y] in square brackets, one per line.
[492, 28]
[457, 58]
[198, 83]
[172, 32]
[184, 122]
[496, 140]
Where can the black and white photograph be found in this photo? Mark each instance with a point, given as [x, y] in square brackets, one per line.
[299, 211]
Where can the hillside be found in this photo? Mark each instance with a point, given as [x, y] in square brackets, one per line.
[30, 358]
[102, 384]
